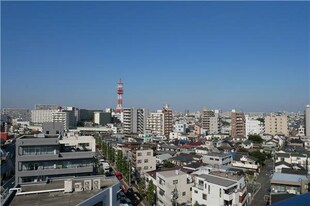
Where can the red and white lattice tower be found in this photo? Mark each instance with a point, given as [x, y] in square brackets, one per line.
[120, 92]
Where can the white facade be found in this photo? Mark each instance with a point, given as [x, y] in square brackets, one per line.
[77, 141]
[173, 182]
[40, 116]
[155, 122]
[218, 188]
[180, 128]
[61, 117]
[253, 126]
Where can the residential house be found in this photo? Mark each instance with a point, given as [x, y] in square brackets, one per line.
[245, 161]
[220, 188]
[173, 186]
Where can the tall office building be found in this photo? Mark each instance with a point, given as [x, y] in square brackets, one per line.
[39, 116]
[237, 124]
[307, 120]
[67, 117]
[276, 124]
[134, 121]
[102, 118]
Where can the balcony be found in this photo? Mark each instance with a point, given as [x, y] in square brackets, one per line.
[229, 196]
[199, 186]
[29, 173]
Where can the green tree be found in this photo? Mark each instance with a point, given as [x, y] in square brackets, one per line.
[259, 155]
[150, 192]
[243, 150]
[168, 164]
[196, 204]
[261, 119]
[255, 138]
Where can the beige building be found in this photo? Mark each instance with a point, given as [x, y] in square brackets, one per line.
[143, 160]
[276, 124]
[237, 124]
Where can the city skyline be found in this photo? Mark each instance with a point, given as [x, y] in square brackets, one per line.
[249, 56]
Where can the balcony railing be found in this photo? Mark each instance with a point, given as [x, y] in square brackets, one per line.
[199, 186]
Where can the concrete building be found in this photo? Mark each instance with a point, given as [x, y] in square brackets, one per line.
[143, 160]
[217, 159]
[42, 115]
[134, 121]
[289, 183]
[74, 191]
[237, 124]
[102, 118]
[168, 127]
[179, 128]
[155, 122]
[307, 120]
[220, 188]
[39, 157]
[211, 121]
[173, 185]
[53, 128]
[276, 124]
[253, 126]
[66, 117]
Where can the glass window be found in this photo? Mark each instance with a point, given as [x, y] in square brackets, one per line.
[148, 153]
[146, 161]
[139, 161]
[204, 196]
[139, 153]
[175, 182]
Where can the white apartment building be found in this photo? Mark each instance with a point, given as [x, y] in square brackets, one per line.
[220, 188]
[143, 160]
[179, 128]
[134, 121]
[173, 185]
[253, 126]
[66, 117]
[155, 122]
[276, 124]
[217, 159]
[42, 115]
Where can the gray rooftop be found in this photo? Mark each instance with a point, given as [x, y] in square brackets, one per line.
[58, 198]
[217, 180]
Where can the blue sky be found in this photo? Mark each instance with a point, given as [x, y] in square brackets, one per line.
[252, 56]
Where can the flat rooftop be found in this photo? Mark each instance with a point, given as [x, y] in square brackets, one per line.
[38, 136]
[58, 197]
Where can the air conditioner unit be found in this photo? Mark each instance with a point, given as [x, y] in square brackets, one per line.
[78, 186]
[96, 184]
[68, 186]
[87, 185]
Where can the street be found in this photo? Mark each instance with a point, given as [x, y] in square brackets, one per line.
[264, 180]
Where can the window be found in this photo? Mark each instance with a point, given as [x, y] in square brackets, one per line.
[184, 193]
[211, 158]
[196, 191]
[220, 192]
[208, 189]
[204, 196]
[148, 153]
[139, 153]
[175, 182]
[146, 167]
[146, 161]
[139, 161]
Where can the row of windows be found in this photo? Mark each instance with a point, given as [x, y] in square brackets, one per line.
[27, 166]
[38, 150]
[148, 154]
[145, 161]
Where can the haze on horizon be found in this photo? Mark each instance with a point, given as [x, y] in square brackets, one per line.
[249, 56]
